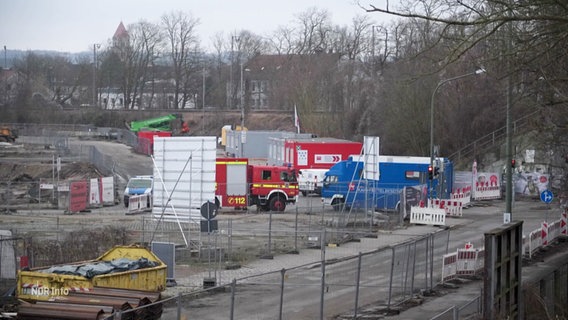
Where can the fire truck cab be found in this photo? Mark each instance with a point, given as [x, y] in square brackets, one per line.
[240, 185]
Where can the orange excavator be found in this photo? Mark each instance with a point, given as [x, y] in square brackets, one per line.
[8, 135]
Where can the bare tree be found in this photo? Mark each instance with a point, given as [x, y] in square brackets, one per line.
[183, 46]
[480, 31]
[139, 58]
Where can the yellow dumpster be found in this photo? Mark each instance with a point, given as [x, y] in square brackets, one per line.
[122, 267]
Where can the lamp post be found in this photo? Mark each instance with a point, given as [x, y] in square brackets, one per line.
[441, 83]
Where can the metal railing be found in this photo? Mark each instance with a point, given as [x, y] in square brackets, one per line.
[489, 140]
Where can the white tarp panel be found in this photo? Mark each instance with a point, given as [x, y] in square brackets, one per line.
[184, 177]
[107, 188]
[94, 193]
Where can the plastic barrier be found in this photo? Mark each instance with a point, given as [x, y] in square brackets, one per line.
[449, 266]
[464, 262]
[139, 203]
[462, 195]
[487, 191]
[452, 208]
[554, 229]
[431, 216]
[544, 233]
[535, 242]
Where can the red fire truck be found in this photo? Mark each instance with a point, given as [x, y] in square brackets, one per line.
[240, 185]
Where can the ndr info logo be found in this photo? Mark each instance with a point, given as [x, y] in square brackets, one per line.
[40, 290]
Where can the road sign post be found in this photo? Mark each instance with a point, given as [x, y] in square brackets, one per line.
[546, 196]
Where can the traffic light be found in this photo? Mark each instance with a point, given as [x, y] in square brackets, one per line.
[430, 173]
[513, 163]
[436, 172]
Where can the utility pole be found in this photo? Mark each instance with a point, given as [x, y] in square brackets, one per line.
[233, 40]
[508, 214]
[242, 94]
[95, 46]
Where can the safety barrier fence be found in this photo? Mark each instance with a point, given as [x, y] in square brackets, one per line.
[464, 262]
[462, 195]
[320, 288]
[139, 204]
[358, 270]
[487, 191]
[545, 235]
[71, 196]
[469, 261]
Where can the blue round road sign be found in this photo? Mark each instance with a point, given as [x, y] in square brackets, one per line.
[546, 196]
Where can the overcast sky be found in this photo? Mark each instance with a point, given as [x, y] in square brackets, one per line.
[75, 25]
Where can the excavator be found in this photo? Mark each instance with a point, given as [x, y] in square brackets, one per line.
[172, 122]
[8, 135]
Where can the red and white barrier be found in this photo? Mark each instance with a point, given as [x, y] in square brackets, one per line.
[464, 262]
[449, 266]
[452, 208]
[431, 216]
[554, 229]
[462, 195]
[545, 235]
[487, 191]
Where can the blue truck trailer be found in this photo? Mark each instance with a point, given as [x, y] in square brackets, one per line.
[345, 185]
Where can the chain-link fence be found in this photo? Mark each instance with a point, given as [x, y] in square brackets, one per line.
[373, 282]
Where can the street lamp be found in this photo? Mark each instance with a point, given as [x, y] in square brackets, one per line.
[441, 83]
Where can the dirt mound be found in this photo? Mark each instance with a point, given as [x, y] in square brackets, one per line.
[15, 172]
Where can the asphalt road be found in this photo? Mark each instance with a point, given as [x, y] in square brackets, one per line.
[260, 298]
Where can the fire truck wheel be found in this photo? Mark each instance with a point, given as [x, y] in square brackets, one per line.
[277, 203]
[336, 204]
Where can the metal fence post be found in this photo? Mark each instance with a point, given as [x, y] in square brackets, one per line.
[391, 276]
[357, 284]
[268, 254]
[296, 251]
[233, 288]
[283, 272]
[322, 289]
[178, 302]
[431, 237]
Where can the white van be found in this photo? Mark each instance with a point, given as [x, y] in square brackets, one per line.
[310, 181]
